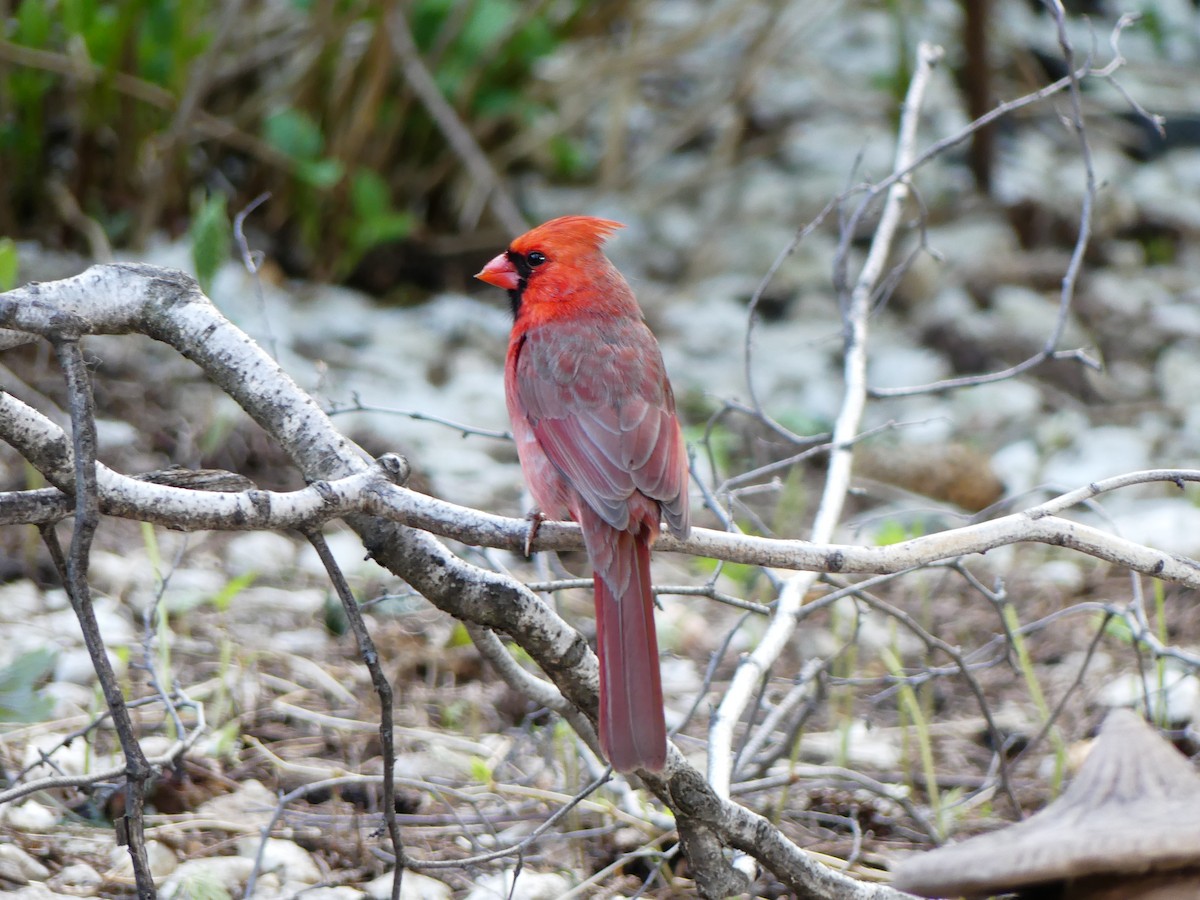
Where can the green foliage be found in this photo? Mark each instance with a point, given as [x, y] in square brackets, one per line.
[294, 134]
[374, 221]
[334, 616]
[481, 772]
[894, 531]
[222, 599]
[1012, 625]
[153, 42]
[743, 575]
[20, 698]
[8, 264]
[911, 707]
[459, 637]
[351, 157]
[484, 65]
[210, 234]
[1150, 20]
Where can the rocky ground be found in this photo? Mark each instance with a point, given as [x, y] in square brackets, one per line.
[713, 155]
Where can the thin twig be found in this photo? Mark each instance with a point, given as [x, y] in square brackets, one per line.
[130, 829]
[837, 482]
[252, 261]
[456, 133]
[383, 688]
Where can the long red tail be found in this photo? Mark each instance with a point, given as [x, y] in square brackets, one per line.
[633, 733]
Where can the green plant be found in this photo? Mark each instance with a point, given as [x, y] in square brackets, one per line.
[210, 234]
[20, 698]
[1012, 624]
[135, 107]
[910, 706]
[98, 84]
[8, 264]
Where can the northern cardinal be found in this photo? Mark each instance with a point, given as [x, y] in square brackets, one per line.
[594, 420]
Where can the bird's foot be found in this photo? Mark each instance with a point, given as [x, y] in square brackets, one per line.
[536, 518]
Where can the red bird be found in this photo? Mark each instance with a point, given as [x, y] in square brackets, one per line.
[594, 420]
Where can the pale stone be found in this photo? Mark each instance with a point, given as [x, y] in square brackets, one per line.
[19, 867]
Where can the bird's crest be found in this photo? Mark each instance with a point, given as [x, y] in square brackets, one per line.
[567, 233]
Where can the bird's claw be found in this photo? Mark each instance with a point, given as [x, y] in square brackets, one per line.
[535, 518]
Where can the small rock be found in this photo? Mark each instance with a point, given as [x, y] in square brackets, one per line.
[263, 552]
[75, 666]
[1179, 698]
[30, 817]
[991, 407]
[862, 746]
[75, 877]
[203, 877]
[288, 860]
[163, 861]
[1065, 574]
[113, 434]
[954, 473]
[193, 586]
[1169, 524]
[1018, 466]
[252, 805]
[20, 600]
[306, 642]
[19, 867]
[899, 366]
[39, 892]
[1099, 453]
[1178, 375]
[71, 759]
[415, 886]
[304, 602]
[526, 886]
[347, 549]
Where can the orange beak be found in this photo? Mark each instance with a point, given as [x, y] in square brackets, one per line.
[500, 272]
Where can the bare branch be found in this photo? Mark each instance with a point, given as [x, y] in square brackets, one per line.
[837, 481]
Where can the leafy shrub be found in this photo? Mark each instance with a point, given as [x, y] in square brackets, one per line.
[134, 106]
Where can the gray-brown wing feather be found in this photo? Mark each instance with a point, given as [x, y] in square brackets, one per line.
[602, 410]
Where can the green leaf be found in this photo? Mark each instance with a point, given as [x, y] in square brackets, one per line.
[334, 615]
[294, 133]
[481, 772]
[491, 21]
[459, 637]
[222, 598]
[369, 194]
[321, 173]
[1119, 629]
[368, 233]
[105, 37]
[34, 20]
[20, 698]
[8, 264]
[210, 239]
[569, 156]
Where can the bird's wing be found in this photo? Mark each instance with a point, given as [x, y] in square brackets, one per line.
[601, 408]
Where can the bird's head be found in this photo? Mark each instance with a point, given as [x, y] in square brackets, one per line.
[557, 258]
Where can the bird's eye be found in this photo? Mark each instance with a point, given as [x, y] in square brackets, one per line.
[536, 258]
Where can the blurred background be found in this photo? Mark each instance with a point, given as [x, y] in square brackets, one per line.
[120, 121]
[403, 144]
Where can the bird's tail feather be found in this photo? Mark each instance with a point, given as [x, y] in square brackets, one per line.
[632, 730]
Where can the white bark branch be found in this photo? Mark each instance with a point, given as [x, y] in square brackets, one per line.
[376, 491]
[754, 667]
[168, 306]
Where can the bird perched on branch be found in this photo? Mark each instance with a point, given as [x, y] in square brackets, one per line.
[594, 420]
